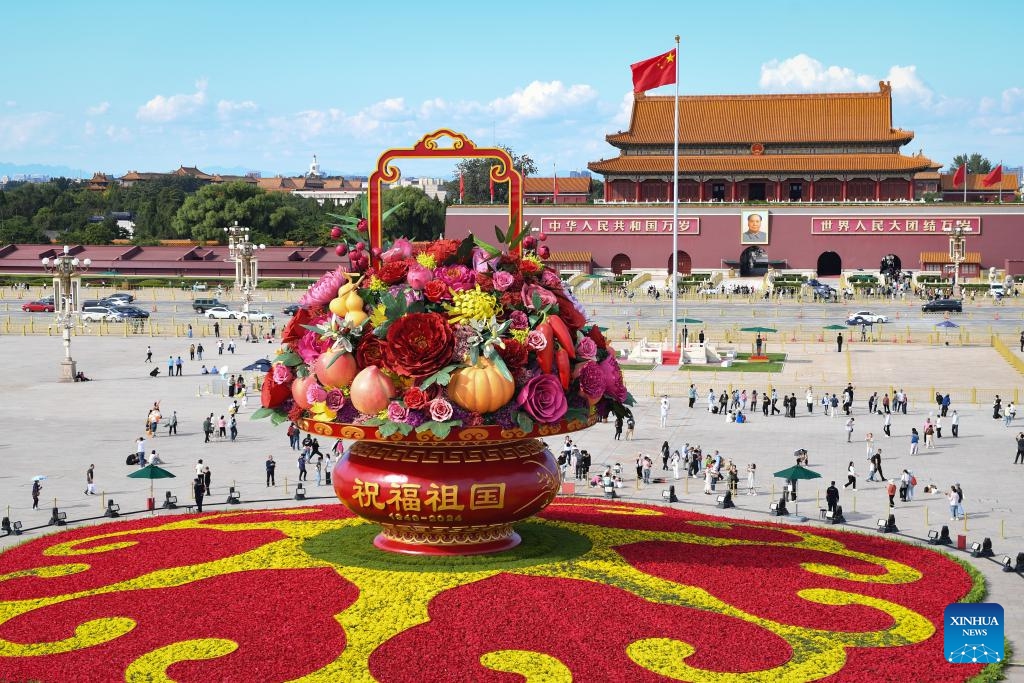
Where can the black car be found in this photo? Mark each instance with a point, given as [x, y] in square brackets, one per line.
[291, 309]
[132, 312]
[821, 290]
[122, 296]
[938, 305]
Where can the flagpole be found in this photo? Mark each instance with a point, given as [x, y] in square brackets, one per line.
[675, 206]
[1000, 181]
[967, 170]
[554, 184]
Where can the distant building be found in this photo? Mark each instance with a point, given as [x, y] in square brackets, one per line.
[571, 190]
[432, 187]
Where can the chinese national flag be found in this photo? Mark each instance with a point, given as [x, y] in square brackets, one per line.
[960, 177]
[492, 190]
[996, 176]
[462, 188]
[653, 72]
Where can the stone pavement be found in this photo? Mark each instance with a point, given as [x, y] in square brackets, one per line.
[57, 430]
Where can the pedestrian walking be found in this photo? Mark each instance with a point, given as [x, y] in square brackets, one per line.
[170, 366]
[191, 351]
[189, 332]
[915, 440]
[954, 504]
[177, 366]
[832, 497]
[220, 347]
[149, 354]
[208, 428]
[90, 483]
[222, 427]
[329, 465]
[1019, 460]
[618, 427]
[890, 490]
[938, 427]
[216, 329]
[849, 430]
[630, 425]
[302, 466]
[664, 411]
[839, 342]
[887, 424]
[954, 424]
[172, 424]
[851, 476]
[691, 396]
[233, 428]
[199, 351]
[810, 400]
[207, 477]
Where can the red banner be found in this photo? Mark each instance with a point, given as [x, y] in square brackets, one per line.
[893, 225]
[618, 225]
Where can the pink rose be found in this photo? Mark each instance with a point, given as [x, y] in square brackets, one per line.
[549, 279]
[310, 346]
[401, 249]
[536, 341]
[543, 399]
[315, 393]
[520, 321]
[397, 413]
[418, 276]
[586, 349]
[503, 280]
[440, 410]
[281, 374]
[546, 297]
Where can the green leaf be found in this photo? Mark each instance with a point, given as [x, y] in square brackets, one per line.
[525, 422]
[387, 429]
[499, 234]
[404, 428]
[374, 422]
[290, 358]
[490, 249]
[438, 429]
[441, 377]
[464, 254]
[278, 418]
[384, 216]
[536, 301]
[262, 413]
[499, 363]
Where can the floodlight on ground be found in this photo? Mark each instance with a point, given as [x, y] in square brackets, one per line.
[1007, 563]
[113, 509]
[300, 492]
[234, 497]
[58, 518]
[976, 549]
[170, 502]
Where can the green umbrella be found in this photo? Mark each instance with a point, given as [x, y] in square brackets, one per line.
[758, 329]
[151, 472]
[797, 472]
[835, 327]
[689, 321]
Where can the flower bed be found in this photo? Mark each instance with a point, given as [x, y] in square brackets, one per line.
[597, 591]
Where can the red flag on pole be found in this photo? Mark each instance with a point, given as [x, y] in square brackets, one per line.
[654, 72]
[492, 190]
[462, 189]
[996, 176]
[960, 176]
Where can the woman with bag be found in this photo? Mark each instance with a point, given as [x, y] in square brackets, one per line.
[851, 477]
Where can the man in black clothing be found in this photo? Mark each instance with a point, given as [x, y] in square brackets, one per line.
[839, 342]
[832, 496]
[271, 466]
[199, 490]
[1020, 449]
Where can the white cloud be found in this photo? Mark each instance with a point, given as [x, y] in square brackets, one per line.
[803, 73]
[540, 100]
[625, 112]
[392, 109]
[162, 109]
[11, 103]
[227, 108]
[118, 134]
[1010, 98]
[99, 109]
[90, 129]
[1002, 117]
[17, 131]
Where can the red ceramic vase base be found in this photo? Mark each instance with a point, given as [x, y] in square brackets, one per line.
[392, 545]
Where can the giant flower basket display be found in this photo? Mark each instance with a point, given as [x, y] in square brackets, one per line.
[444, 362]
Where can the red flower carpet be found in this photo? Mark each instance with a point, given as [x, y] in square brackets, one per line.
[598, 591]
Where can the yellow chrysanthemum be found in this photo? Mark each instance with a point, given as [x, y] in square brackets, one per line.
[426, 260]
[376, 284]
[472, 305]
[519, 335]
[321, 413]
[377, 316]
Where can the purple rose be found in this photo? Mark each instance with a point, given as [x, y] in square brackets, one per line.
[591, 380]
[549, 279]
[520, 321]
[335, 400]
[543, 399]
[482, 261]
[401, 249]
[536, 341]
[310, 346]
[397, 412]
[503, 280]
[613, 385]
[546, 297]
[282, 374]
[586, 349]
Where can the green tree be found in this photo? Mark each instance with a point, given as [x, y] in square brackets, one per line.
[975, 163]
[476, 178]
[596, 190]
[19, 230]
[418, 217]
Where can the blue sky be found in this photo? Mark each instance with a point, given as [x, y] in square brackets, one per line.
[149, 86]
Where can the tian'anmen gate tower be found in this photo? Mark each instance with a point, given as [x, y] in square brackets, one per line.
[815, 147]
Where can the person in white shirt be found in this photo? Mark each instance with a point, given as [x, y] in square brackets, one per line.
[810, 400]
[664, 411]
[955, 424]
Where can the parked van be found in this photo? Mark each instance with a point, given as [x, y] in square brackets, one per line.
[201, 305]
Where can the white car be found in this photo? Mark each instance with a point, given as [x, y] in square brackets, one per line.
[222, 312]
[254, 314]
[865, 318]
[95, 314]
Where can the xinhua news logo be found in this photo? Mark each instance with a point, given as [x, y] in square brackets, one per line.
[973, 633]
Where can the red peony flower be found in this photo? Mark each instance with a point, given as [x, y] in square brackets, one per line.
[394, 272]
[595, 334]
[437, 290]
[572, 318]
[419, 344]
[528, 266]
[294, 330]
[485, 282]
[515, 354]
[371, 351]
[415, 398]
[274, 394]
[442, 250]
[296, 413]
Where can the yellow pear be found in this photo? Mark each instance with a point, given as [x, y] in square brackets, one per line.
[355, 317]
[337, 306]
[354, 302]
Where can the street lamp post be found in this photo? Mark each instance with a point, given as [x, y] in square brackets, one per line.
[957, 254]
[243, 253]
[66, 269]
